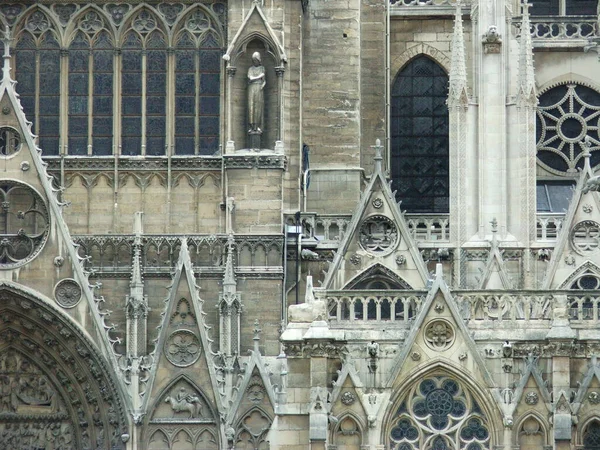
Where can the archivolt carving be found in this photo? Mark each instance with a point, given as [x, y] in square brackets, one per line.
[55, 386]
[420, 49]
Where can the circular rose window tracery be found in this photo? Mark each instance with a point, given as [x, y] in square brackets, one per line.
[378, 235]
[438, 413]
[566, 114]
[585, 237]
[24, 223]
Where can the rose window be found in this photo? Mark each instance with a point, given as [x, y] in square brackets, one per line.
[439, 414]
[378, 235]
[566, 115]
[24, 223]
[585, 237]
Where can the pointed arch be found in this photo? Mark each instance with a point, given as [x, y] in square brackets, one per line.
[252, 427]
[74, 22]
[476, 398]
[589, 434]
[46, 339]
[126, 23]
[587, 269]
[377, 277]
[529, 427]
[348, 433]
[420, 136]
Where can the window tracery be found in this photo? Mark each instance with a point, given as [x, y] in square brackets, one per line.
[440, 414]
[591, 436]
[123, 72]
[38, 73]
[420, 137]
[567, 114]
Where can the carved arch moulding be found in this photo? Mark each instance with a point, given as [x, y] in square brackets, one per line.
[421, 49]
[55, 386]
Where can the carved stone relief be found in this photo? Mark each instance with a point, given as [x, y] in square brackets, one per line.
[439, 335]
[585, 237]
[182, 348]
[378, 235]
[67, 293]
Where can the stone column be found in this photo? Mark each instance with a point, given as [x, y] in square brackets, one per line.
[230, 147]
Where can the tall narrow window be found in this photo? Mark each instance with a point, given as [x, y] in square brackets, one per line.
[419, 131]
[143, 76]
[197, 86]
[38, 74]
[91, 78]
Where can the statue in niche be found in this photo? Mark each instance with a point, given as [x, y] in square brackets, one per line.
[256, 100]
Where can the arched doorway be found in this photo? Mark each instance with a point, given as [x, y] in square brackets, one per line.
[56, 390]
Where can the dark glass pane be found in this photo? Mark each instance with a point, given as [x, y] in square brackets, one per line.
[78, 105]
[49, 105]
[131, 145]
[78, 60]
[209, 84]
[50, 125]
[209, 126]
[184, 61]
[208, 145]
[155, 145]
[102, 146]
[210, 41]
[25, 61]
[419, 127]
[155, 126]
[77, 145]
[543, 203]
[210, 61]
[28, 104]
[49, 145]
[102, 126]
[78, 84]
[132, 105]
[184, 126]
[185, 83]
[49, 82]
[185, 105]
[132, 126]
[156, 83]
[103, 105]
[209, 105]
[78, 126]
[155, 105]
[582, 7]
[132, 61]
[26, 82]
[131, 83]
[156, 61]
[103, 83]
[184, 145]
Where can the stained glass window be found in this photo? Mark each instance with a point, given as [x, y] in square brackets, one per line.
[439, 413]
[38, 74]
[591, 436]
[420, 142]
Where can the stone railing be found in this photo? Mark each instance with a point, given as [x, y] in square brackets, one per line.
[361, 306]
[584, 308]
[563, 31]
[548, 226]
[427, 228]
[476, 307]
[401, 3]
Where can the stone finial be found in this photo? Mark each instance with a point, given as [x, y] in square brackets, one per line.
[587, 154]
[526, 93]
[229, 275]
[256, 337]
[457, 93]
[6, 39]
[378, 155]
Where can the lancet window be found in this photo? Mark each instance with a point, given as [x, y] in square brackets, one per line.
[38, 74]
[564, 7]
[132, 81]
[420, 137]
[439, 413]
[591, 436]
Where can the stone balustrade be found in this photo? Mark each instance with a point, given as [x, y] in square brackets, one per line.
[562, 31]
[548, 226]
[347, 308]
[429, 227]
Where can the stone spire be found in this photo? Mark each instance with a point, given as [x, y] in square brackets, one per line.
[230, 309]
[137, 302]
[457, 95]
[6, 39]
[378, 156]
[229, 282]
[526, 93]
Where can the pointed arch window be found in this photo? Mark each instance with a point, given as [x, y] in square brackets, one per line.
[197, 87]
[38, 74]
[591, 436]
[420, 137]
[143, 88]
[91, 65]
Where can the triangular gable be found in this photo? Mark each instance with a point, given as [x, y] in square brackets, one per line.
[592, 372]
[532, 371]
[377, 233]
[254, 367]
[56, 257]
[495, 275]
[587, 268]
[453, 344]
[572, 249]
[183, 322]
[255, 24]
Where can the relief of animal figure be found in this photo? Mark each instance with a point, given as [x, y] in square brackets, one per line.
[185, 402]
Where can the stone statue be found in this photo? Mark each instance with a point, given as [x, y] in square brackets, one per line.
[256, 99]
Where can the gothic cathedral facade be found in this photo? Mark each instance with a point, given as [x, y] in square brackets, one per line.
[300, 224]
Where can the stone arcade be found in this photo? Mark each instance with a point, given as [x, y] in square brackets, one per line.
[300, 224]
